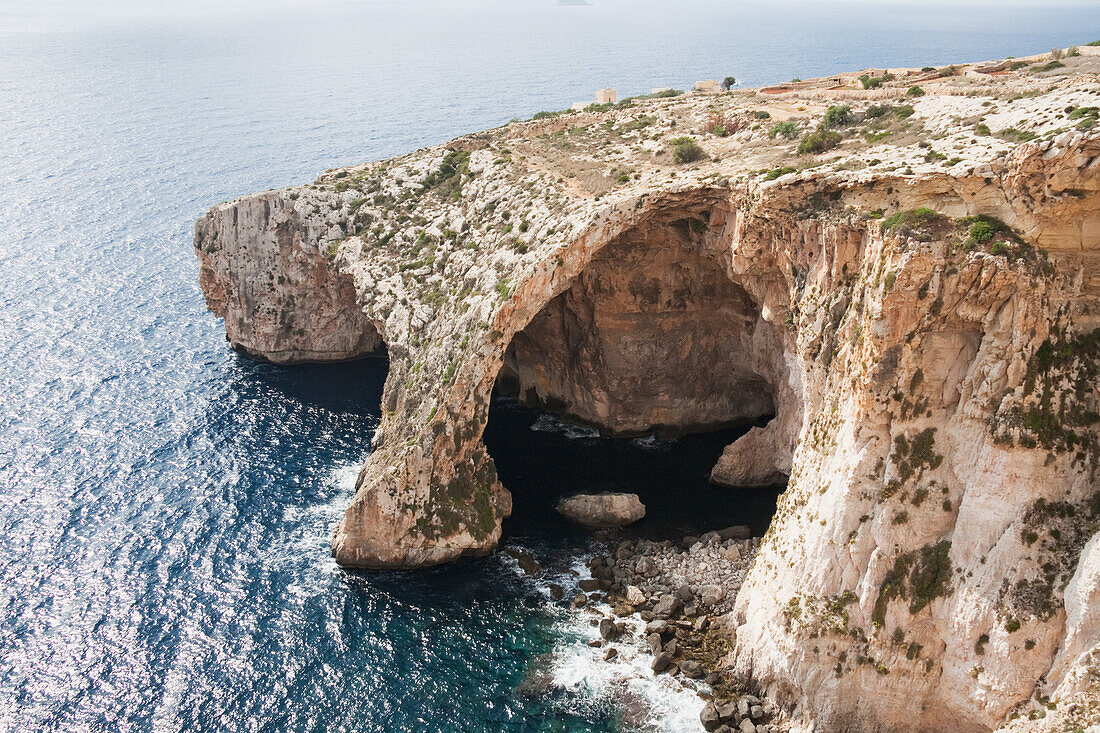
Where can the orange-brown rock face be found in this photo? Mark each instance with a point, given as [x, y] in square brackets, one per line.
[918, 311]
[632, 345]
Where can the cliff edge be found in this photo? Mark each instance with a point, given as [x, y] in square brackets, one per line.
[904, 278]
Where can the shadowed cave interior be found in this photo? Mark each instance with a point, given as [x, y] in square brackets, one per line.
[634, 379]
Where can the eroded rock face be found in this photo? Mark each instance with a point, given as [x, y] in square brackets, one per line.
[632, 344]
[934, 386]
[602, 510]
[280, 298]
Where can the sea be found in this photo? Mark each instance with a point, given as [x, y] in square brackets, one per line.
[166, 504]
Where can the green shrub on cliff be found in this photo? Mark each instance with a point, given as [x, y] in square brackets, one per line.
[981, 232]
[819, 142]
[787, 129]
[914, 91]
[663, 94]
[777, 172]
[1049, 66]
[686, 150]
[447, 179]
[839, 115]
[911, 218]
[920, 577]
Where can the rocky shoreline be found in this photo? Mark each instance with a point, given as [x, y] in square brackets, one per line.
[673, 599]
[903, 274]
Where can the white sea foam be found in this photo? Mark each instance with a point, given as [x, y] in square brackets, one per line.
[652, 702]
[309, 540]
[550, 424]
[651, 443]
[627, 682]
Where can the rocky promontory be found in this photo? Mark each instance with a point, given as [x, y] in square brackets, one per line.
[897, 278]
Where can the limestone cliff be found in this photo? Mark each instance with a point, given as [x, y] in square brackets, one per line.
[915, 298]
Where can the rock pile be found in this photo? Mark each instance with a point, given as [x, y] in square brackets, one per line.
[682, 593]
[748, 714]
[704, 573]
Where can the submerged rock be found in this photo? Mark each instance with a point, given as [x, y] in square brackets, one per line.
[528, 564]
[539, 680]
[602, 510]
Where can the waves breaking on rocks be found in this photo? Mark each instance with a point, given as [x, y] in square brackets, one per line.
[644, 630]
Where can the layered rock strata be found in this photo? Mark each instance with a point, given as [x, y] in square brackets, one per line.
[915, 298]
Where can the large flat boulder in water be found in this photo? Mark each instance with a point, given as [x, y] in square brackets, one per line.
[602, 510]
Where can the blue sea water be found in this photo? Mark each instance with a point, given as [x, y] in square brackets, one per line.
[165, 504]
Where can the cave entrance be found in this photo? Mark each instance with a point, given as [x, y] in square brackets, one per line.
[634, 379]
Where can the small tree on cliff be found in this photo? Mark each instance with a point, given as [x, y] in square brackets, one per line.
[728, 82]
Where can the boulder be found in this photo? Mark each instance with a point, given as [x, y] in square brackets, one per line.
[709, 717]
[556, 591]
[666, 607]
[662, 662]
[692, 670]
[602, 510]
[657, 626]
[634, 595]
[712, 594]
[528, 564]
[580, 600]
[589, 585]
[736, 532]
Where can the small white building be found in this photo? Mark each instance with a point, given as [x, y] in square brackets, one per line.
[708, 85]
[606, 96]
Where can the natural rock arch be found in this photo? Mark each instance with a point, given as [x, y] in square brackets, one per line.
[652, 335]
[434, 496]
[903, 363]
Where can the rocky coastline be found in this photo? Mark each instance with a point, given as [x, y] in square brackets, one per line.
[672, 599]
[903, 277]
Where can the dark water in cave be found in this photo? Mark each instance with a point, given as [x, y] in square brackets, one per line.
[541, 459]
[165, 504]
